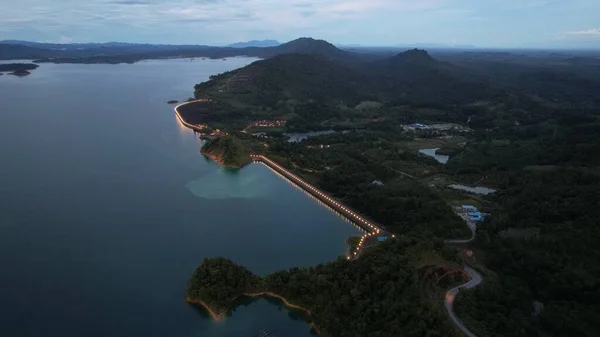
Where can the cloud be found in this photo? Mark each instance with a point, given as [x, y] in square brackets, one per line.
[130, 2]
[594, 32]
[524, 4]
[342, 21]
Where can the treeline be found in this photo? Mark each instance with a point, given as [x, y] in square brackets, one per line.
[376, 295]
[571, 140]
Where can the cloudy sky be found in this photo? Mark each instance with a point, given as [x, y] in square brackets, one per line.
[483, 23]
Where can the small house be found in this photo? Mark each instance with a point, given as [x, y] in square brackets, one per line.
[469, 208]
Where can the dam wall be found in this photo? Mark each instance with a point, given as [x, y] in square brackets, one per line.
[323, 197]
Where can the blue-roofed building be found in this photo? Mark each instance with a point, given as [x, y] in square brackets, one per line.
[382, 238]
[476, 216]
[469, 208]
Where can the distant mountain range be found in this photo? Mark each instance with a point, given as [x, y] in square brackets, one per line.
[408, 46]
[128, 53]
[118, 52]
[255, 43]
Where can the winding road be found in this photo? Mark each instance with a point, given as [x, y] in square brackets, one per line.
[472, 226]
[476, 279]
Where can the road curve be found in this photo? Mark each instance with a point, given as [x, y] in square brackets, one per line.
[472, 226]
[476, 279]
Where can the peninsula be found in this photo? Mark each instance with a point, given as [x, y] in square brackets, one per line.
[335, 296]
[18, 69]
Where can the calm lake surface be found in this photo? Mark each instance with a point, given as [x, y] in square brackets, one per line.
[107, 207]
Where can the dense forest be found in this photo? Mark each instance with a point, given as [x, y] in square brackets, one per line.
[542, 245]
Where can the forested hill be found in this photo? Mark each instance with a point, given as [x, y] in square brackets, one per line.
[312, 46]
[308, 91]
[314, 92]
[291, 76]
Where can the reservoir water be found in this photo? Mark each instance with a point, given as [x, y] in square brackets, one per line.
[107, 206]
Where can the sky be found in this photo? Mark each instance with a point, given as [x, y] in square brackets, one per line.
[480, 23]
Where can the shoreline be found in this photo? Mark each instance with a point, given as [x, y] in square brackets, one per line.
[186, 124]
[215, 316]
[218, 160]
[220, 317]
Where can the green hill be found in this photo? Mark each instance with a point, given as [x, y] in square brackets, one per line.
[314, 92]
[305, 89]
[227, 151]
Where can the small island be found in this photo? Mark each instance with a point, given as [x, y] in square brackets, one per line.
[18, 69]
[172, 102]
[227, 151]
[20, 73]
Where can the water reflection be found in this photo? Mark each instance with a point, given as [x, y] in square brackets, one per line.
[183, 130]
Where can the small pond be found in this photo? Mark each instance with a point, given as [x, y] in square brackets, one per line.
[476, 190]
[298, 137]
[431, 153]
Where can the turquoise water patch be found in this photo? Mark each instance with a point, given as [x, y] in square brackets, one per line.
[225, 183]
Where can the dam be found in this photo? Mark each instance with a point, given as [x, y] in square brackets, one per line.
[370, 228]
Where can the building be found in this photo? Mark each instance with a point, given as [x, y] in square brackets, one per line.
[469, 208]
[476, 216]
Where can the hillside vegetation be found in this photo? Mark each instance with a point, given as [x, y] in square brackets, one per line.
[314, 91]
[377, 295]
[227, 151]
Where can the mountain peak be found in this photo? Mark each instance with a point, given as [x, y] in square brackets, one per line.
[308, 45]
[309, 41]
[414, 56]
[254, 43]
